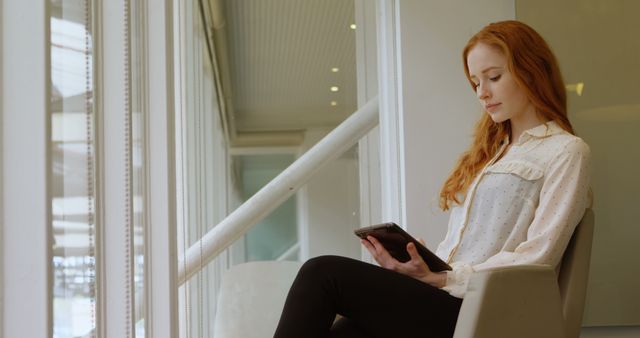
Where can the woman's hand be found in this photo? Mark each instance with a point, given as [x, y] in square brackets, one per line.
[416, 267]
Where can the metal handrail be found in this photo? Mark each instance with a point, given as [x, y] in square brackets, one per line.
[240, 221]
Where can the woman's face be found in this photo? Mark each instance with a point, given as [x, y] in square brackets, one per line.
[496, 88]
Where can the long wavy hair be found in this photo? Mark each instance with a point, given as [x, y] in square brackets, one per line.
[536, 71]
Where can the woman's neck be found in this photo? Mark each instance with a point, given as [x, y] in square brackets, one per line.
[522, 123]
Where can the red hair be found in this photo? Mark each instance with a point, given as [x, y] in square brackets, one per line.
[536, 71]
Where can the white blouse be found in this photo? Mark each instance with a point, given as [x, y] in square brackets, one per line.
[521, 209]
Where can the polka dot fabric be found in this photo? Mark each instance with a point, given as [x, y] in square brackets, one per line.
[520, 209]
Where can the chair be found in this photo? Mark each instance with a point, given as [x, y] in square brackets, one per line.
[519, 301]
[530, 301]
[251, 298]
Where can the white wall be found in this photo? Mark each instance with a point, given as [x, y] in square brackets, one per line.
[439, 109]
[610, 332]
[596, 43]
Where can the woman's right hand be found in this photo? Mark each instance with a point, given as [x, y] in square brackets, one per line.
[416, 267]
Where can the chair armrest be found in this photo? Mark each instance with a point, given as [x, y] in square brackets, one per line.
[517, 301]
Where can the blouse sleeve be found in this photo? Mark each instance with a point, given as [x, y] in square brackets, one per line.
[563, 199]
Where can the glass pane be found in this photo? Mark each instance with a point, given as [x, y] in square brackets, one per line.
[73, 169]
[275, 64]
[277, 233]
[331, 211]
[200, 165]
[292, 69]
[598, 48]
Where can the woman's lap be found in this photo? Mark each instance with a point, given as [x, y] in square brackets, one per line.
[379, 302]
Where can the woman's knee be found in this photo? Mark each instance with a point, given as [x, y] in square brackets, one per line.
[322, 265]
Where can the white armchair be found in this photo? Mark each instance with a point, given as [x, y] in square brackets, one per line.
[530, 301]
[251, 299]
[518, 301]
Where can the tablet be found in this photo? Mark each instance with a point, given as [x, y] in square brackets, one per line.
[395, 240]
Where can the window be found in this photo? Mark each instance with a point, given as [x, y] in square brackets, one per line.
[73, 169]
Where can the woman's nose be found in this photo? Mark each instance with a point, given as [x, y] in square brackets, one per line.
[482, 91]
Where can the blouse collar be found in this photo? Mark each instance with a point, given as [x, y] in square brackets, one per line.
[541, 131]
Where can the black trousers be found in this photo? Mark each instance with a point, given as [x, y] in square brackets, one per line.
[374, 302]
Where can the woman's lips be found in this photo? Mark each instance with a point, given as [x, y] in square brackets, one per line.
[491, 107]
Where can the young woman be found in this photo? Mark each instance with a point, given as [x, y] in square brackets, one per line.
[515, 197]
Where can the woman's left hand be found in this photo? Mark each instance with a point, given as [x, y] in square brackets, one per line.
[416, 267]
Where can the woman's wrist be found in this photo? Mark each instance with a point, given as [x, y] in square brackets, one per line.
[436, 279]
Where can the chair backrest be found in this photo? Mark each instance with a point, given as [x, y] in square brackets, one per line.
[574, 274]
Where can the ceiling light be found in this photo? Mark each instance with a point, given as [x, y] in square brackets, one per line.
[335, 70]
[334, 103]
[335, 88]
[353, 26]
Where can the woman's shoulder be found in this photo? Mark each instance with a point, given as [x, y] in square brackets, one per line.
[557, 141]
[566, 143]
[565, 147]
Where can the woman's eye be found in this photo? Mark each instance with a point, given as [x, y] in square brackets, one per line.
[495, 78]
